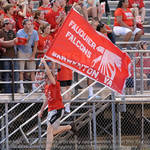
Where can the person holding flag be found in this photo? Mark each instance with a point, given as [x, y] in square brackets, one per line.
[55, 106]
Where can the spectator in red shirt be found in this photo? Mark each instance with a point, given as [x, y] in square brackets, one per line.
[38, 19]
[55, 107]
[138, 8]
[45, 40]
[124, 23]
[46, 6]
[56, 15]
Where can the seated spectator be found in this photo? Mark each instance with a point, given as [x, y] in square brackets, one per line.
[8, 34]
[124, 23]
[27, 50]
[106, 30]
[138, 8]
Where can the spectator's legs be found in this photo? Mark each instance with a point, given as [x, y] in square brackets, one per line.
[138, 35]
[61, 129]
[89, 82]
[127, 38]
[7, 66]
[143, 13]
[16, 74]
[92, 11]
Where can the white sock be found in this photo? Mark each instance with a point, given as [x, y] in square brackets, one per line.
[90, 91]
[33, 86]
[21, 84]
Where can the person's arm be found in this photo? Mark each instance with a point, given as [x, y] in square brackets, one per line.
[48, 72]
[8, 43]
[122, 24]
[34, 50]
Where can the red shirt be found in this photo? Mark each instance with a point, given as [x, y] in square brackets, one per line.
[71, 2]
[52, 93]
[51, 17]
[44, 44]
[140, 3]
[64, 74]
[36, 25]
[127, 16]
[45, 9]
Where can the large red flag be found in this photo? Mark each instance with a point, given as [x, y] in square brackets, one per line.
[79, 47]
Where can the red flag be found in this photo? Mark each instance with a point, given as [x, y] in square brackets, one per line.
[79, 47]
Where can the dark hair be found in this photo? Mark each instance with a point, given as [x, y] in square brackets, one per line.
[25, 21]
[120, 3]
[99, 26]
[7, 7]
[43, 27]
[37, 14]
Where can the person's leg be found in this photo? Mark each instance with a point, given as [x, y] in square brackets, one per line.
[50, 137]
[138, 33]
[127, 37]
[6, 66]
[143, 13]
[61, 129]
[89, 82]
[16, 74]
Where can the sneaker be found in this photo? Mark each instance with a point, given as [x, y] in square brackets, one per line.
[124, 49]
[67, 108]
[96, 97]
[21, 90]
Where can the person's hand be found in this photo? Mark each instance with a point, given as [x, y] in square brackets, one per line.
[40, 113]
[1, 40]
[32, 57]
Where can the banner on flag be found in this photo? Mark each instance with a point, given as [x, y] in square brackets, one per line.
[79, 47]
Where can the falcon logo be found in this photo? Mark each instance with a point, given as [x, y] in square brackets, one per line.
[108, 62]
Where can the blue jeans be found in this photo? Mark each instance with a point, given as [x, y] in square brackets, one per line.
[7, 76]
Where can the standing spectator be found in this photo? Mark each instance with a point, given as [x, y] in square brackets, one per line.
[8, 34]
[138, 8]
[55, 16]
[65, 79]
[9, 13]
[38, 19]
[28, 50]
[124, 23]
[45, 40]
[55, 107]
[46, 6]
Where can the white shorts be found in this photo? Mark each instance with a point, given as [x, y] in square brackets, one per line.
[123, 30]
[54, 117]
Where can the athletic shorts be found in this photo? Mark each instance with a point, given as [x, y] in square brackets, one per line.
[123, 30]
[65, 83]
[130, 83]
[54, 117]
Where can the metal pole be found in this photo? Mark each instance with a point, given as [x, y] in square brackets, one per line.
[94, 127]
[39, 131]
[12, 86]
[90, 128]
[134, 74]
[141, 74]
[113, 122]
[6, 120]
[119, 129]
[142, 140]
[2, 135]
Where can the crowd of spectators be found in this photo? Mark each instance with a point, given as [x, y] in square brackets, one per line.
[27, 33]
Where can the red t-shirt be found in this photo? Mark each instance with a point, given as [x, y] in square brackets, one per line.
[127, 16]
[44, 9]
[71, 2]
[44, 44]
[51, 17]
[140, 3]
[36, 25]
[64, 74]
[52, 93]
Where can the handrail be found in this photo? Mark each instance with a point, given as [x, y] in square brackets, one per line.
[88, 100]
